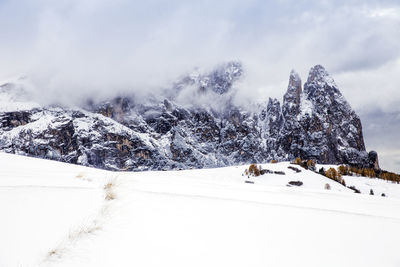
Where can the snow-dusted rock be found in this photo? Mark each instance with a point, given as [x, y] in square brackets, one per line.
[319, 123]
[124, 134]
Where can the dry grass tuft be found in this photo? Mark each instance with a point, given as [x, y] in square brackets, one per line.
[89, 227]
[110, 185]
[80, 175]
[109, 190]
[110, 195]
[85, 230]
[55, 253]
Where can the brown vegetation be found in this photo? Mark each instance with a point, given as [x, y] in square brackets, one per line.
[310, 164]
[254, 170]
[306, 164]
[369, 172]
[109, 191]
[297, 161]
[334, 175]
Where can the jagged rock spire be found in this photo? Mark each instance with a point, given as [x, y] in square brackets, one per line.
[319, 74]
[291, 99]
[294, 82]
[320, 81]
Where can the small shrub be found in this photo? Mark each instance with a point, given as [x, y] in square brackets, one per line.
[279, 172]
[274, 161]
[110, 195]
[322, 171]
[306, 164]
[343, 170]
[383, 195]
[311, 164]
[371, 192]
[109, 185]
[331, 173]
[254, 170]
[327, 186]
[334, 175]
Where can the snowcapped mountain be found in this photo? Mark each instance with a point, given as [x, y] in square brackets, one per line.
[163, 133]
[219, 80]
[319, 123]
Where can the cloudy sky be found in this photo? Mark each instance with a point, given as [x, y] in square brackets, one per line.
[74, 47]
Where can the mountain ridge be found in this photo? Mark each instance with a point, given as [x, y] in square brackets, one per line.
[314, 122]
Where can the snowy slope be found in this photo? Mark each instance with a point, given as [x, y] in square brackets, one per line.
[206, 217]
[40, 201]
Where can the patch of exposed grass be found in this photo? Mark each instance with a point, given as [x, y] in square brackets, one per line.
[80, 175]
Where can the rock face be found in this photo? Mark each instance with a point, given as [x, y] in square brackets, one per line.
[126, 134]
[319, 123]
[220, 80]
[373, 160]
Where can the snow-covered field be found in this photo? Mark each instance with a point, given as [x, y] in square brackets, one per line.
[55, 214]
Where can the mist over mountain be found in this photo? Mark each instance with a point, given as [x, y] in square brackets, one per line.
[71, 52]
[197, 122]
[75, 49]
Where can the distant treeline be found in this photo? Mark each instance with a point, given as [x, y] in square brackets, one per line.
[350, 171]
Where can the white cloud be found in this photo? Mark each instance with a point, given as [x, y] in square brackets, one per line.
[75, 48]
[392, 13]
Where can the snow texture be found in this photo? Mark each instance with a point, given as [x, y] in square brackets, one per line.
[56, 214]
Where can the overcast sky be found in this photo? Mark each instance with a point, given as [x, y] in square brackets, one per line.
[75, 47]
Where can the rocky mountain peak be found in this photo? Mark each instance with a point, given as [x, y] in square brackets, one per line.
[291, 99]
[322, 91]
[219, 80]
[319, 78]
[123, 134]
[294, 81]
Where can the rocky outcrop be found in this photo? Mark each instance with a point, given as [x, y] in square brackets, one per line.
[319, 123]
[220, 80]
[291, 99]
[122, 134]
[373, 160]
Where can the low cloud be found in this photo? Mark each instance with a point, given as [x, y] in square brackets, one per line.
[71, 50]
[75, 49]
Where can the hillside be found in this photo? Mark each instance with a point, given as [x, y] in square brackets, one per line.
[57, 214]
